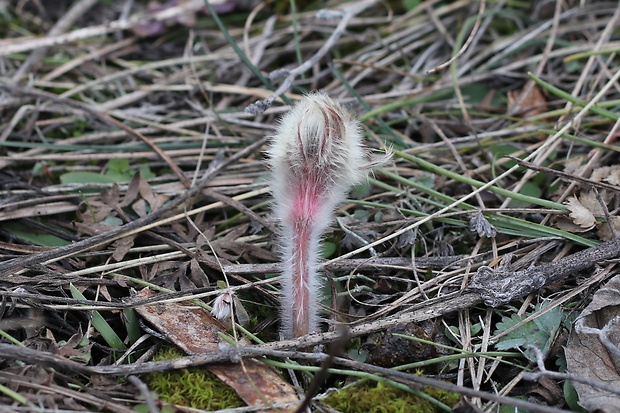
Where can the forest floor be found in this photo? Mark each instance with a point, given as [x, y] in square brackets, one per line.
[475, 271]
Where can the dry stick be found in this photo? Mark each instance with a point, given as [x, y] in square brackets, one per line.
[16, 264]
[241, 208]
[465, 46]
[451, 302]
[499, 286]
[76, 11]
[145, 393]
[348, 13]
[39, 94]
[565, 176]
[232, 270]
[23, 44]
[98, 53]
[28, 386]
[543, 372]
[233, 354]
[359, 264]
[336, 347]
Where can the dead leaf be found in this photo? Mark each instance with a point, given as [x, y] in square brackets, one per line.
[195, 331]
[122, 247]
[155, 200]
[614, 175]
[132, 192]
[591, 203]
[197, 275]
[482, 226]
[73, 350]
[580, 214]
[527, 102]
[572, 165]
[566, 224]
[599, 174]
[592, 350]
[605, 232]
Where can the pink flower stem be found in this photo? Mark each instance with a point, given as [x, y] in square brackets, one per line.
[316, 156]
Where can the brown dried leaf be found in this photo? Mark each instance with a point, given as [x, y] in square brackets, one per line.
[195, 331]
[140, 207]
[599, 174]
[572, 165]
[591, 203]
[197, 275]
[73, 350]
[614, 175]
[112, 196]
[92, 211]
[528, 101]
[566, 224]
[122, 247]
[592, 350]
[132, 192]
[580, 214]
[605, 232]
[155, 200]
[90, 228]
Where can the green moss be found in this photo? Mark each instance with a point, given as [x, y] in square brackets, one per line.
[383, 398]
[195, 387]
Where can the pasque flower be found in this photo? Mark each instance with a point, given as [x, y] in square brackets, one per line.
[316, 156]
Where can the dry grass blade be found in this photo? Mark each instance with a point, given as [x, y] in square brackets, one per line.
[128, 161]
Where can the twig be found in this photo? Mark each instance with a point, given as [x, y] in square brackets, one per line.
[471, 37]
[565, 176]
[144, 391]
[10, 46]
[336, 347]
[104, 117]
[502, 285]
[77, 10]
[540, 362]
[289, 75]
[233, 354]
[17, 264]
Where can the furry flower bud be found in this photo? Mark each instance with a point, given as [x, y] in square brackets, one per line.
[316, 156]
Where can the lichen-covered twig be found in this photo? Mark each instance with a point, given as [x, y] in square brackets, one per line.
[502, 285]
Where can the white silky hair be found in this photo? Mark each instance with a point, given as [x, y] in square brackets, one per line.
[316, 140]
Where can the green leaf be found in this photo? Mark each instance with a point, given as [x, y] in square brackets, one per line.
[118, 171]
[328, 249]
[500, 151]
[539, 332]
[571, 397]
[86, 178]
[360, 215]
[100, 324]
[120, 166]
[32, 235]
[411, 4]
[146, 173]
[132, 324]
[529, 189]
[362, 190]
[425, 180]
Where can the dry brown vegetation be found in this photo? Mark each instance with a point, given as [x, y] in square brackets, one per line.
[133, 183]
